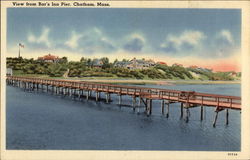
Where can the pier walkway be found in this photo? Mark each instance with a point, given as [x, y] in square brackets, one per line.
[142, 95]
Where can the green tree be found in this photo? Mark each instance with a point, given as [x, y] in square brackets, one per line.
[63, 60]
[105, 61]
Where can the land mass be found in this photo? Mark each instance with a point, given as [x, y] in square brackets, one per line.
[102, 70]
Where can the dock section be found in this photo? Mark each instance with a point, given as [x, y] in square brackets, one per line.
[141, 96]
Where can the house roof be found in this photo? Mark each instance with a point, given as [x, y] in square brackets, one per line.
[97, 62]
[178, 64]
[193, 66]
[164, 63]
[48, 57]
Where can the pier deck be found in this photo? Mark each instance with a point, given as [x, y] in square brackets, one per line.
[188, 99]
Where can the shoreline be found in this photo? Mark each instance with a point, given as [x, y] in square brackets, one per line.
[139, 81]
[156, 82]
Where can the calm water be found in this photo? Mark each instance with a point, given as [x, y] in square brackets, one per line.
[38, 120]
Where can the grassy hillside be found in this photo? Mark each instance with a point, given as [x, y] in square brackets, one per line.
[83, 68]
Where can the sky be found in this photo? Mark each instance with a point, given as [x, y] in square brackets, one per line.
[208, 38]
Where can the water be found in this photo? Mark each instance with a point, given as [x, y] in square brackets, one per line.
[38, 120]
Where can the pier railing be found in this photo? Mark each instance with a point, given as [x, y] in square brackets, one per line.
[197, 98]
[187, 99]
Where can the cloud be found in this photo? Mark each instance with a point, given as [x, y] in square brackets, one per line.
[223, 43]
[89, 41]
[43, 39]
[225, 35]
[73, 41]
[187, 40]
[94, 40]
[134, 43]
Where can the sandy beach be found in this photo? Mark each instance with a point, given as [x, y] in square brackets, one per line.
[157, 82]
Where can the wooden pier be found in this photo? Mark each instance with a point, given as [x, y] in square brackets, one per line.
[141, 96]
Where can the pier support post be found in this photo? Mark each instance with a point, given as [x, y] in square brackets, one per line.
[26, 86]
[150, 106]
[64, 91]
[201, 113]
[167, 109]
[134, 102]
[227, 115]
[96, 96]
[79, 94]
[147, 107]
[181, 110]
[120, 99]
[139, 102]
[87, 95]
[187, 115]
[74, 93]
[107, 97]
[82, 92]
[68, 91]
[138, 106]
[162, 106]
[215, 118]
[52, 89]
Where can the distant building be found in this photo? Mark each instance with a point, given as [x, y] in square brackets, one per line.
[9, 72]
[193, 67]
[177, 64]
[121, 64]
[162, 63]
[97, 63]
[49, 58]
[135, 64]
[233, 73]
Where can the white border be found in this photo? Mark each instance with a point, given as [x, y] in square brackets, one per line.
[245, 132]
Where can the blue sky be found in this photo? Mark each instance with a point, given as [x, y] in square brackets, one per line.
[113, 32]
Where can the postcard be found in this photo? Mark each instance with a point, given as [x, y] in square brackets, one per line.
[125, 79]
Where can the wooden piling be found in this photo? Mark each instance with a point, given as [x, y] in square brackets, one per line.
[52, 89]
[187, 115]
[215, 118]
[162, 106]
[201, 117]
[139, 102]
[138, 106]
[96, 96]
[107, 97]
[227, 116]
[147, 107]
[167, 109]
[181, 110]
[74, 93]
[120, 99]
[150, 106]
[133, 103]
[87, 95]
[79, 94]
